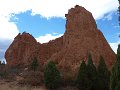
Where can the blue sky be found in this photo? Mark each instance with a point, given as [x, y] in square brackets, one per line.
[45, 19]
[38, 25]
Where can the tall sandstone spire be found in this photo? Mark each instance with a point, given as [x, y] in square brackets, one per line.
[80, 38]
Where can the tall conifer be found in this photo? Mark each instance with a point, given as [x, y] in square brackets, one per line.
[115, 75]
[103, 75]
[82, 80]
[92, 74]
[52, 76]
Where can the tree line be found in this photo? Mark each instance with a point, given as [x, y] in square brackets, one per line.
[88, 77]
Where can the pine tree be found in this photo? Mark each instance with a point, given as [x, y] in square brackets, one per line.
[115, 75]
[82, 79]
[34, 65]
[118, 52]
[92, 74]
[103, 75]
[3, 63]
[52, 76]
[0, 62]
[117, 86]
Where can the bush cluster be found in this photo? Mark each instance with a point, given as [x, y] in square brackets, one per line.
[91, 78]
[52, 76]
[88, 77]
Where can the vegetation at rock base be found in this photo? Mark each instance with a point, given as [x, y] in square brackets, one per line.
[103, 75]
[115, 75]
[92, 74]
[52, 76]
[33, 78]
[90, 78]
[118, 53]
[82, 80]
[34, 65]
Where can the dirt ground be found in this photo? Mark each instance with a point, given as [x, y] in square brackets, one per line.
[8, 85]
[13, 85]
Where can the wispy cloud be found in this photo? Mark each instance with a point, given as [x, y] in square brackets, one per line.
[47, 9]
[48, 37]
[8, 29]
[116, 26]
[109, 16]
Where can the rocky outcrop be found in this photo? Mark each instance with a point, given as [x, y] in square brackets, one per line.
[21, 49]
[80, 38]
[24, 48]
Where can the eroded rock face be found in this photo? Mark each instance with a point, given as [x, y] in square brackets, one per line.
[21, 49]
[80, 38]
[24, 48]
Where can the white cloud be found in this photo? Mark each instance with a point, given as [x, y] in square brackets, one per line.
[116, 26]
[114, 46]
[8, 30]
[108, 16]
[4, 44]
[47, 37]
[47, 8]
[50, 8]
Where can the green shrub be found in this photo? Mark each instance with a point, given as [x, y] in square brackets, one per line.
[117, 87]
[92, 74]
[34, 65]
[52, 76]
[103, 75]
[115, 74]
[31, 78]
[82, 78]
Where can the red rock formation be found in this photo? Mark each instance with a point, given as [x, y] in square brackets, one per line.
[80, 38]
[83, 37]
[24, 48]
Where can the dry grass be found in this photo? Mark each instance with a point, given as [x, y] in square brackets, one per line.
[31, 78]
[68, 88]
[4, 85]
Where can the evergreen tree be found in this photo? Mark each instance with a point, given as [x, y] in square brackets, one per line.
[103, 75]
[92, 74]
[115, 75]
[117, 86]
[52, 76]
[118, 52]
[3, 63]
[34, 65]
[0, 62]
[82, 79]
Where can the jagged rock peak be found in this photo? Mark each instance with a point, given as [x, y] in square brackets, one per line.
[78, 18]
[25, 37]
